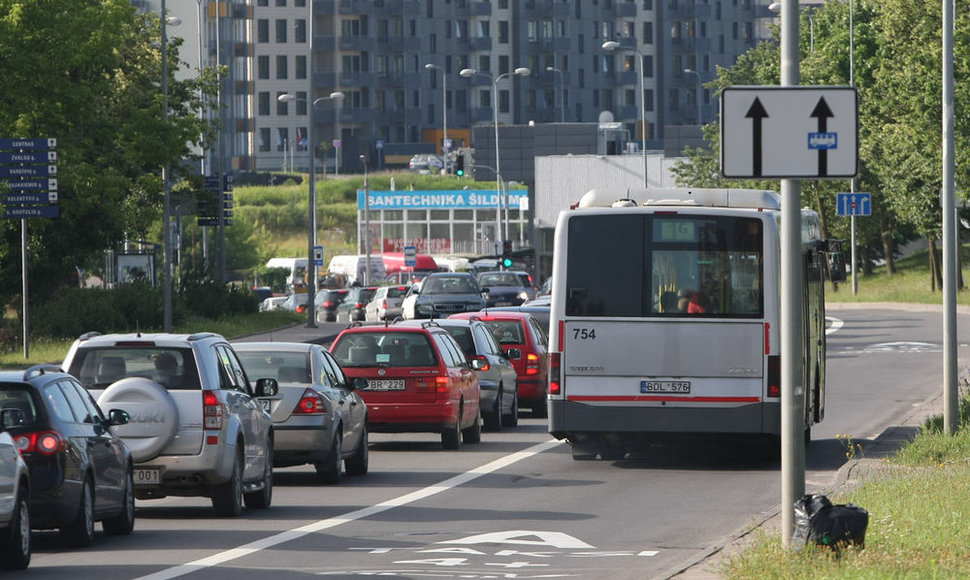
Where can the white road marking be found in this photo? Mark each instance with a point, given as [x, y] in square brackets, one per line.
[835, 325]
[289, 535]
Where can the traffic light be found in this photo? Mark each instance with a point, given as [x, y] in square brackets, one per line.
[460, 165]
[507, 253]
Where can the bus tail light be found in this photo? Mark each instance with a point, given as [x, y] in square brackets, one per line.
[555, 388]
[211, 410]
[774, 376]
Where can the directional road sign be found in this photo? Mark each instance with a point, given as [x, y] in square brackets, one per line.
[856, 203]
[41, 143]
[31, 211]
[27, 171]
[789, 132]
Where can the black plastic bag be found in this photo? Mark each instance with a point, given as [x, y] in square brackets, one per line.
[834, 526]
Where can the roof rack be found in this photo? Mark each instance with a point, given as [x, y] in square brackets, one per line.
[41, 369]
[88, 335]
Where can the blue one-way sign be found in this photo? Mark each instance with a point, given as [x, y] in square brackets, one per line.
[856, 203]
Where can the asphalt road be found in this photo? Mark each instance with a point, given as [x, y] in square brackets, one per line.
[517, 505]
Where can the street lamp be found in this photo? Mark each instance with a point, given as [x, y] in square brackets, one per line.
[166, 186]
[562, 93]
[522, 72]
[312, 224]
[697, 95]
[611, 46]
[363, 159]
[444, 112]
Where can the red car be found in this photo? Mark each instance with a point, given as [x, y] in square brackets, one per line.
[521, 336]
[419, 380]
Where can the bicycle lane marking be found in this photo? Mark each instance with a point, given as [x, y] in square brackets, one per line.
[289, 535]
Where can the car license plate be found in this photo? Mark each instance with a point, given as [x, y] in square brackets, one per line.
[670, 387]
[386, 385]
[147, 476]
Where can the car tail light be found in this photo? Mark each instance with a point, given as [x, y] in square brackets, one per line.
[442, 384]
[360, 305]
[774, 376]
[43, 442]
[531, 364]
[485, 366]
[211, 410]
[327, 304]
[311, 403]
[555, 387]
[301, 309]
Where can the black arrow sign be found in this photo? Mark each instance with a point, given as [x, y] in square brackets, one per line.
[757, 114]
[822, 112]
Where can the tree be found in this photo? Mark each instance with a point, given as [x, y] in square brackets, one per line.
[88, 73]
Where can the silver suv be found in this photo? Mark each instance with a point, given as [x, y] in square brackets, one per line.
[197, 426]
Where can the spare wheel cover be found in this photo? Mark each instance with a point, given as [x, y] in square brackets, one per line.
[153, 415]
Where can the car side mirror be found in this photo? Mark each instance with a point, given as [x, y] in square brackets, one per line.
[485, 291]
[267, 387]
[118, 417]
[11, 418]
[513, 353]
[358, 383]
[478, 364]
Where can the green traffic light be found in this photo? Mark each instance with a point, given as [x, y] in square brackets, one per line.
[507, 262]
[460, 172]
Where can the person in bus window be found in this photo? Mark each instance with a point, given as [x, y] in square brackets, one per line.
[697, 304]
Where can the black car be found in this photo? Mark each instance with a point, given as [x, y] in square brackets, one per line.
[507, 288]
[354, 305]
[442, 294]
[80, 471]
[326, 302]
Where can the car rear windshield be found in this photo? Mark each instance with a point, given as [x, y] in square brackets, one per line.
[506, 331]
[285, 367]
[386, 349]
[397, 291]
[16, 396]
[499, 279]
[173, 368]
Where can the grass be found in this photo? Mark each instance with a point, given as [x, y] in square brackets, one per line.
[54, 350]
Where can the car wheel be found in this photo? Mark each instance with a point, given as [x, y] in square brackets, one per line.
[512, 419]
[473, 433]
[357, 463]
[493, 418]
[328, 470]
[143, 397]
[15, 547]
[451, 438]
[261, 499]
[123, 523]
[227, 497]
[80, 532]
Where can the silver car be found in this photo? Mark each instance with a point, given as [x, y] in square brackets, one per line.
[318, 416]
[386, 303]
[496, 375]
[14, 496]
[197, 427]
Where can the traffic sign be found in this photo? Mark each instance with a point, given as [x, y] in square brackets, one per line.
[19, 144]
[411, 256]
[31, 211]
[318, 255]
[30, 198]
[806, 132]
[44, 184]
[27, 171]
[37, 157]
[856, 203]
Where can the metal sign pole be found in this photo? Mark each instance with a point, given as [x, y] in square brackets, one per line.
[23, 275]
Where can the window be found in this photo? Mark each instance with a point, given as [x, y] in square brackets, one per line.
[281, 68]
[262, 30]
[300, 66]
[503, 31]
[282, 107]
[647, 33]
[264, 137]
[262, 103]
[262, 66]
[280, 30]
[301, 102]
[299, 34]
[503, 101]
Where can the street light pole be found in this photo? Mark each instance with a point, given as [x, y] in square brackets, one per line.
[562, 93]
[311, 268]
[697, 95]
[522, 72]
[166, 191]
[444, 112]
[610, 46]
[363, 159]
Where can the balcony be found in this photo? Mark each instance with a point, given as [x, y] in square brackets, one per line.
[324, 79]
[396, 44]
[351, 7]
[480, 114]
[627, 77]
[356, 43]
[481, 43]
[325, 43]
[358, 79]
[626, 9]
[480, 8]
[323, 7]
[324, 115]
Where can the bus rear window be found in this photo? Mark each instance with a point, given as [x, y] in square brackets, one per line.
[645, 265]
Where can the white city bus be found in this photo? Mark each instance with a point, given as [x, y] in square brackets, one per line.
[665, 317]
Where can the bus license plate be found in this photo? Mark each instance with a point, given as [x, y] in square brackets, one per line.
[147, 476]
[672, 387]
[386, 385]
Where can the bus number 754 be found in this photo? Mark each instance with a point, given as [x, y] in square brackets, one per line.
[584, 334]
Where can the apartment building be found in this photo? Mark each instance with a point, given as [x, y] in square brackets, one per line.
[375, 53]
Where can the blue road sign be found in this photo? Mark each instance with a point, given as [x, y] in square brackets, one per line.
[318, 255]
[857, 203]
[32, 211]
[33, 184]
[27, 171]
[410, 256]
[30, 198]
[35, 157]
[21, 144]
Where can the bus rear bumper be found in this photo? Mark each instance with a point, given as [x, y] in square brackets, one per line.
[580, 421]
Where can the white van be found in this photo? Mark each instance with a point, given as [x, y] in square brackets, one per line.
[353, 267]
[296, 278]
